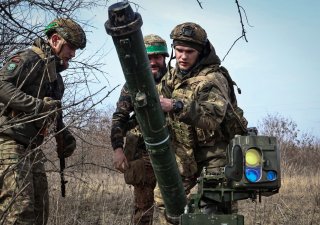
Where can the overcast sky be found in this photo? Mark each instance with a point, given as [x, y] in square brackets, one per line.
[277, 69]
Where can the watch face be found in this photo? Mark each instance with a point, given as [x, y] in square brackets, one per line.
[179, 105]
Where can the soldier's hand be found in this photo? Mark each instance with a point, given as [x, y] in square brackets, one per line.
[166, 104]
[120, 161]
[50, 104]
[70, 144]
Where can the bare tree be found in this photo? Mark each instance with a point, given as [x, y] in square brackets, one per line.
[298, 149]
[241, 12]
[22, 21]
[25, 19]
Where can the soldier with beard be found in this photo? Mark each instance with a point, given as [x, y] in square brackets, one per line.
[31, 89]
[132, 159]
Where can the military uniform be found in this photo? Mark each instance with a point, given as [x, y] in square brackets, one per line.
[197, 137]
[197, 127]
[140, 173]
[25, 79]
[30, 92]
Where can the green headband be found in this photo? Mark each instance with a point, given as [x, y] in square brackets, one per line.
[50, 26]
[161, 49]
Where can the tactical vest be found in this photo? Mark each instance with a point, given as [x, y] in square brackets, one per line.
[233, 122]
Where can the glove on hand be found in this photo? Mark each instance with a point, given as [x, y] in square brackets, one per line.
[50, 104]
[70, 144]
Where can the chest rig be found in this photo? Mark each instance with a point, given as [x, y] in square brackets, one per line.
[185, 90]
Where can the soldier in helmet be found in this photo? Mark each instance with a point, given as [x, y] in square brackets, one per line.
[133, 159]
[31, 89]
[196, 95]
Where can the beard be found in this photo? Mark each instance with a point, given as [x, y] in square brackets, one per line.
[158, 76]
[60, 65]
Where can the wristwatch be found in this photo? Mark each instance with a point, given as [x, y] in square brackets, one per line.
[177, 105]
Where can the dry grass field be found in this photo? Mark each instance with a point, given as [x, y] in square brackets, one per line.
[298, 202]
[97, 195]
[102, 198]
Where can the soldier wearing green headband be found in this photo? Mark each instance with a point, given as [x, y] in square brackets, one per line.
[132, 158]
[31, 89]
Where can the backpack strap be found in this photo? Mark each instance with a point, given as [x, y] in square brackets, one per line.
[209, 72]
[50, 63]
[212, 78]
[38, 51]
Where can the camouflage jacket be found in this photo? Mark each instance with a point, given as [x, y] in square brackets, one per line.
[123, 118]
[25, 79]
[204, 92]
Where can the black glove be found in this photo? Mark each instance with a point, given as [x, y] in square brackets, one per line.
[70, 143]
[50, 104]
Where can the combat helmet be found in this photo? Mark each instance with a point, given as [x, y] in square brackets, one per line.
[155, 45]
[69, 30]
[190, 35]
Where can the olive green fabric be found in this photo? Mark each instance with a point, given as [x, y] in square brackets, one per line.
[22, 91]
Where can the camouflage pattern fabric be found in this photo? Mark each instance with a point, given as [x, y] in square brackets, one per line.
[185, 159]
[190, 35]
[68, 29]
[25, 79]
[160, 218]
[24, 195]
[197, 137]
[197, 126]
[155, 45]
[120, 118]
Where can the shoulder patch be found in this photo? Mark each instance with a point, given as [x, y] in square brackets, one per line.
[11, 66]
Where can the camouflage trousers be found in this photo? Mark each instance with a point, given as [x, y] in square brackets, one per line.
[24, 198]
[141, 176]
